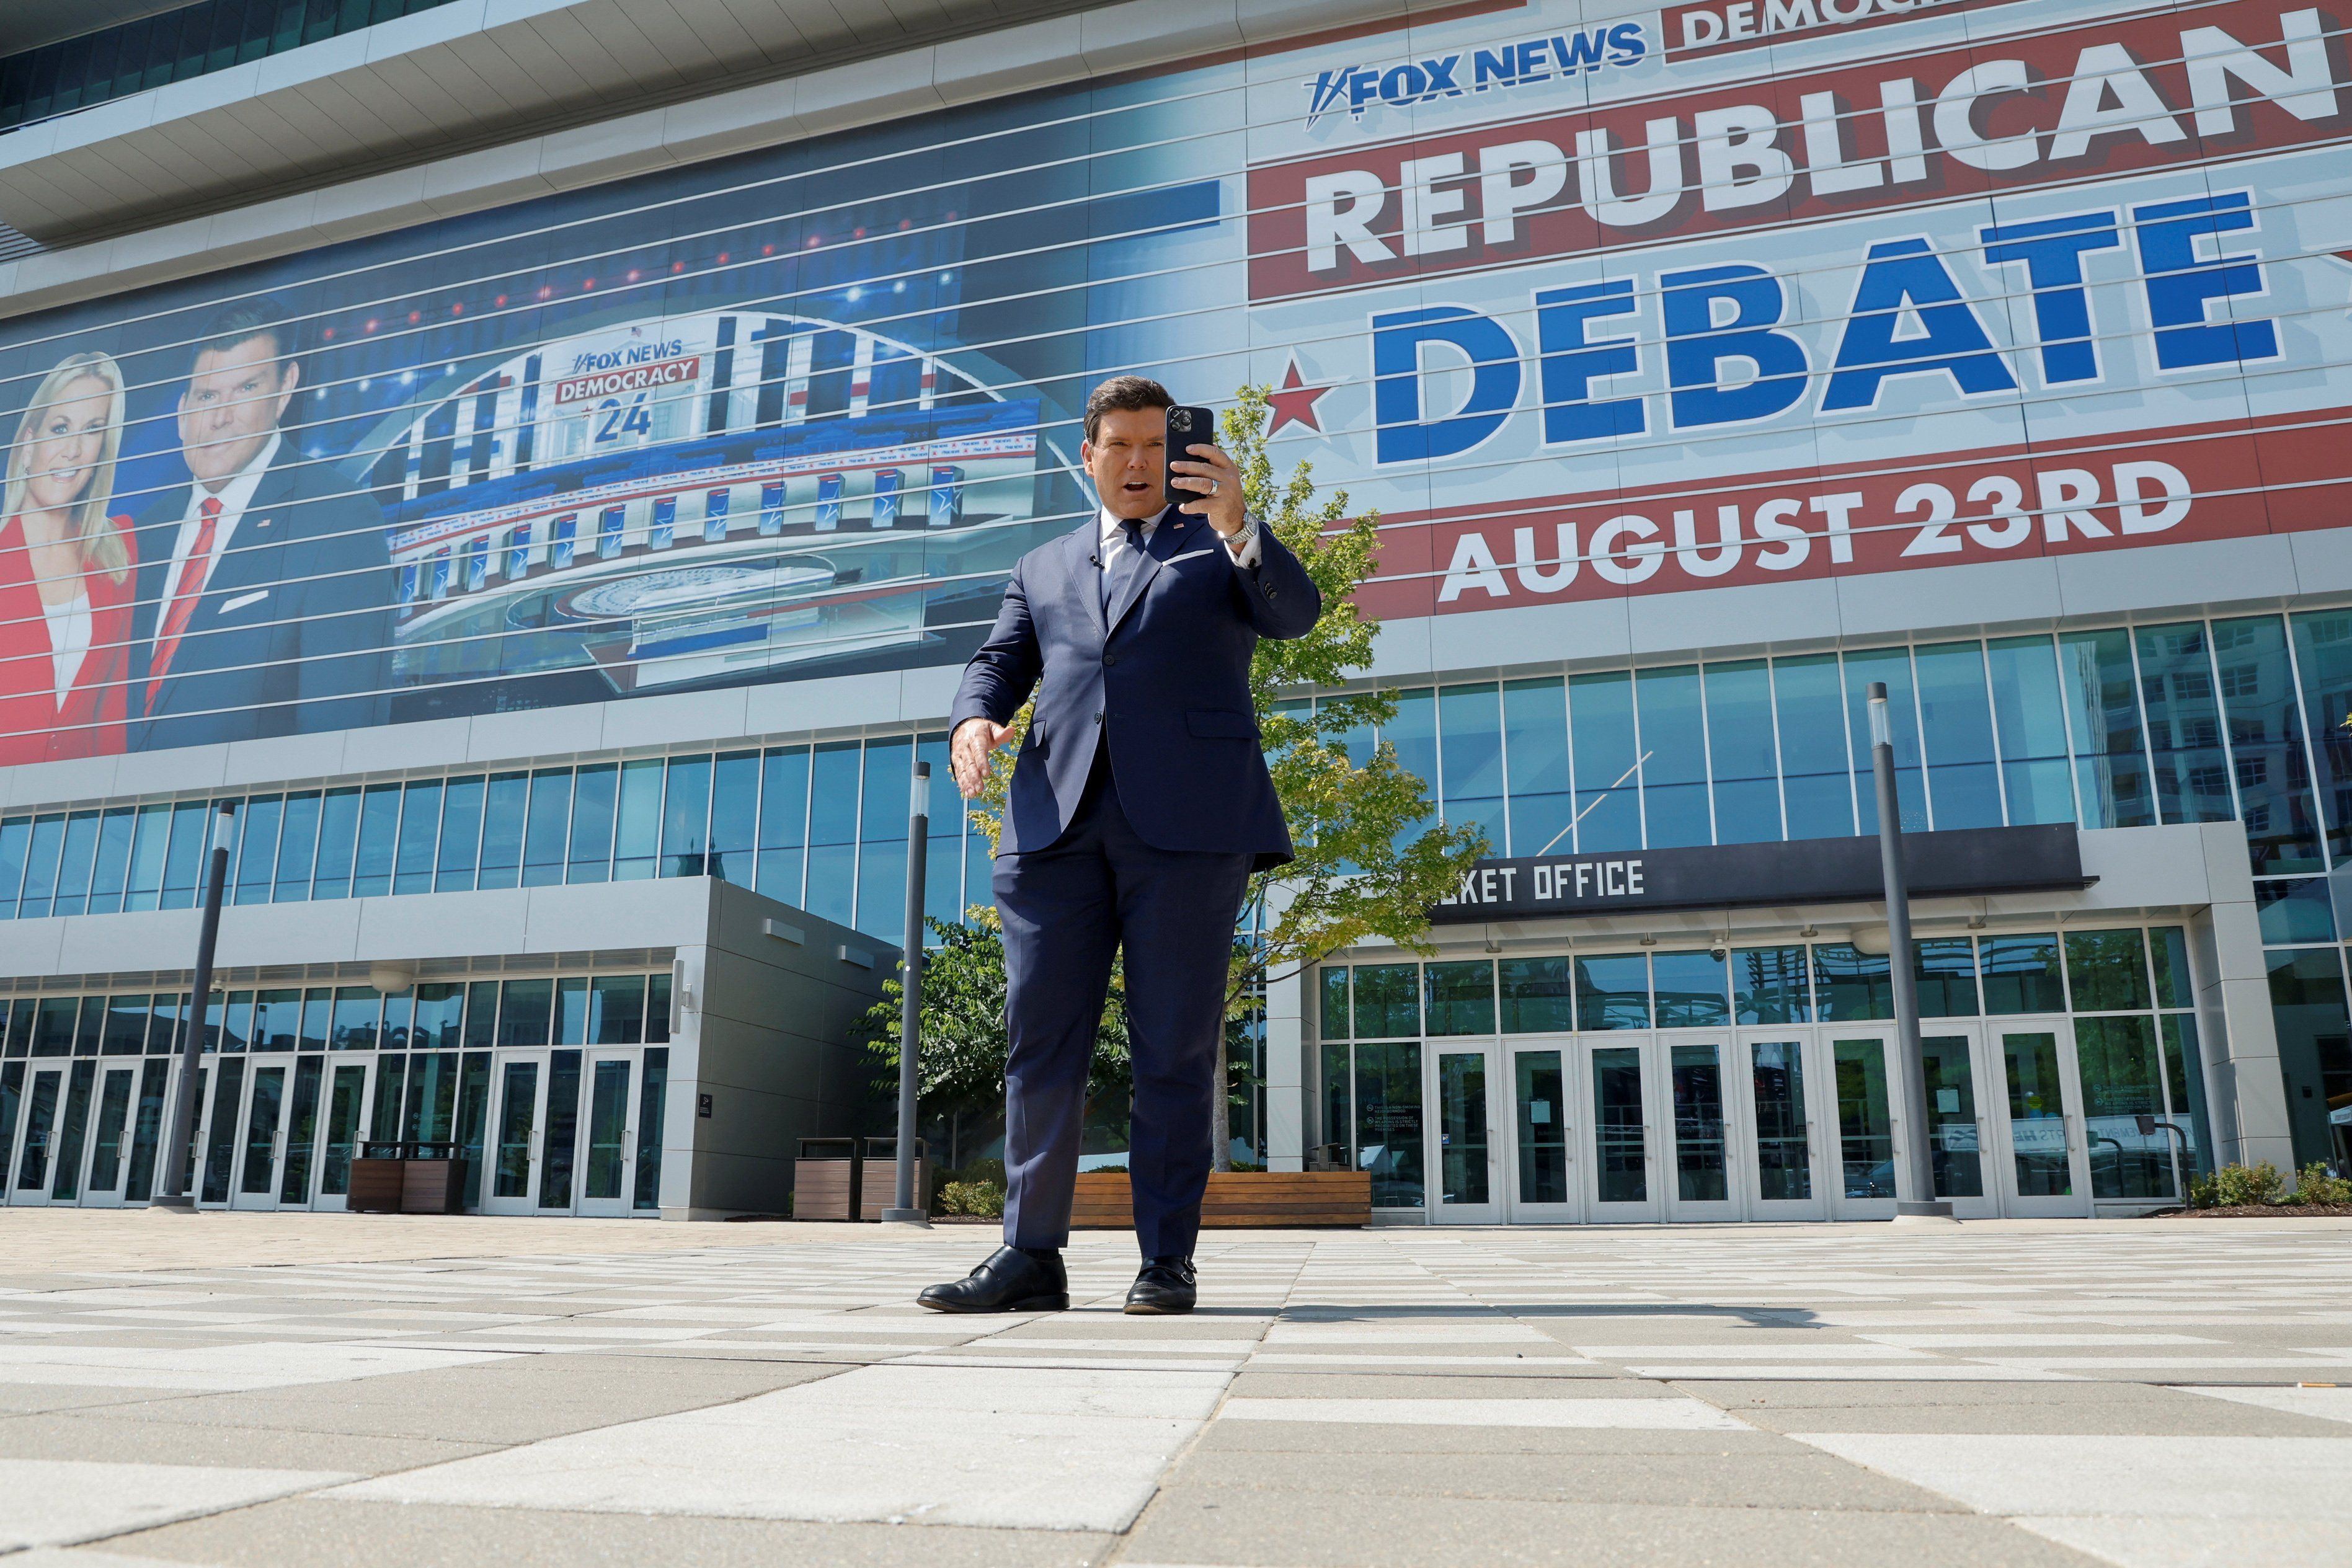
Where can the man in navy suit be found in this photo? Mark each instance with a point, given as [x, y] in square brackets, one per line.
[1139, 806]
[265, 587]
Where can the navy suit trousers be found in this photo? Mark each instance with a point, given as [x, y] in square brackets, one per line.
[1067, 910]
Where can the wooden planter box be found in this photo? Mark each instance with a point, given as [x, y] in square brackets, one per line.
[1259, 1199]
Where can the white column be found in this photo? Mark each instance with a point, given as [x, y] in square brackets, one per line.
[2245, 1089]
[1286, 1059]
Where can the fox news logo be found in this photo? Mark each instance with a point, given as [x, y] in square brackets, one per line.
[1504, 67]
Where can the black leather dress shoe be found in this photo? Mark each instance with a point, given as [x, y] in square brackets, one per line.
[1009, 1280]
[1165, 1286]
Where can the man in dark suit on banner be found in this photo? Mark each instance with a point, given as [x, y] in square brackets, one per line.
[1139, 806]
[264, 585]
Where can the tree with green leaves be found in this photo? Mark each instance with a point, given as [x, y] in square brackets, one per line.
[1371, 856]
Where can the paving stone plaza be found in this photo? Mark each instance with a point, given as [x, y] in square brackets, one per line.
[241, 1389]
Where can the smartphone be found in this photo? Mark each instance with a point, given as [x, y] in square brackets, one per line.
[1189, 425]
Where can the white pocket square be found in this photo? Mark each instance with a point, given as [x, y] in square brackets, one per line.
[242, 600]
[1188, 555]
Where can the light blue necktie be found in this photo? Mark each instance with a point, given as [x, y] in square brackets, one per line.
[1123, 563]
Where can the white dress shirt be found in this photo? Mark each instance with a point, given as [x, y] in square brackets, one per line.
[70, 636]
[1110, 536]
[234, 496]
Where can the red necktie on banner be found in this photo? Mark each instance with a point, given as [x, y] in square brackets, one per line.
[193, 573]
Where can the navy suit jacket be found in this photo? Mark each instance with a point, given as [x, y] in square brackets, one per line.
[292, 633]
[1162, 680]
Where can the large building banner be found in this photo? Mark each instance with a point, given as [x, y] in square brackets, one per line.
[1591, 303]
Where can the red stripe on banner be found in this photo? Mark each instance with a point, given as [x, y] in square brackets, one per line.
[2234, 479]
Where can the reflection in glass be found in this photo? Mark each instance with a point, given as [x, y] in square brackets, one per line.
[106, 1136]
[1388, 1001]
[1620, 1146]
[2103, 720]
[1854, 986]
[1333, 1024]
[518, 1112]
[473, 1113]
[1689, 988]
[2107, 971]
[561, 1145]
[1741, 753]
[1387, 1121]
[1956, 720]
[2030, 724]
[2037, 1116]
[2265, 735]
[1866, 1129]
[1534, 745]
[608, 1119]
[344, 1102]
[1768, 985]
[506, 818]
[1461, 998]
[2184, 724]
[1537, 996]
[1462, 1126]
[220, 1143]
[2020, 975]
[1952, 1128]
[2122, 1080]
[652, 1102]
[1470, 724]
[260, 1172]
[1700, 1173]
[1613, 991]
[301, 1131]
[1543, 1128]
[1945, 970]
[1600, 720]
[1784, 1171]
[461, 836]
[1674, 773]
[75, 1128]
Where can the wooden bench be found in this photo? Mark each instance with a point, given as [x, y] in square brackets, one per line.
[1238, 1199]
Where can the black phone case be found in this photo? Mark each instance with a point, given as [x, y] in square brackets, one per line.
[1189, 425]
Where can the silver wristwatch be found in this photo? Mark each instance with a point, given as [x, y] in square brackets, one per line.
[1239, 540]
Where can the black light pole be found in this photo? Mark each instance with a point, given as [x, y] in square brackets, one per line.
[179, 1174]
[910, 997]
[1915, 1188]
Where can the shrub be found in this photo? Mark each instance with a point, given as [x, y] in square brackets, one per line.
[2236, 1185]
[983, 1200]
[2316, 1185]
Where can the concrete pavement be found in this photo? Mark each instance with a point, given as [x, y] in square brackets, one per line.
[342, 1389]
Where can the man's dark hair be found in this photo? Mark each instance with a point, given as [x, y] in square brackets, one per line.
[1124, 392]
[234, 326]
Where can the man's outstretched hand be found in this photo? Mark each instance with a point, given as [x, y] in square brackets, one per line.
[969, 749]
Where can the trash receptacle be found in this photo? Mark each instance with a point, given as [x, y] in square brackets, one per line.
[882, 1177]
[825, 1179]
[377, 1179]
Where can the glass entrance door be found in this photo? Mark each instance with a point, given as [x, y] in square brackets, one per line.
[1546, 1134]
[2042, 1170]
[36, 1144]
[1954, 1065]
[1625, 1179]
[608, 1166]
[520, 1078]
[1854, 1063]
[1782, 1178]
[109, 1144]
[263, 1130]
[1693, 1071]
[344, 1122]
[1466, 1155]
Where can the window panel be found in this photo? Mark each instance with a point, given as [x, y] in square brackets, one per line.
[1388, 1001]
[2168, 949]
[506, 813]
[1816, 784]
[2107, 971]
[298, 848]
[1769, 985]
[637, 844]
[685, 817]
[379, 840]
[547, 830]
[108, 876]
[783, 823]
[420, 835]
[2103, 721]
[1944, 970]
[41, 866]
[1414, 734]
[143, 888]
[595, 792]
[2030, 728]
[1956, 726]
[1690, 988]
[1534, 749]
[1849, 986]
[1537, 995]
[77, 856]
[1608, 792]
[2297, 910]
[1892, 666]
[1459, 999]
[833, 832]
[1743, 761]
[2314, 1039]
[735, 817]
[882, 860]
[2184, 724]
[1613, 991]
[526, 1013]
[1470, 733]
[2022, 975]
[2272, 771]
[16, 840]
[461, 835]
[1332, 1021]
[1674, 770]
[616, 1010]
[943, 898]
[339, 828]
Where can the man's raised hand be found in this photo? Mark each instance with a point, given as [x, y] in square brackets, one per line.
[968, 752]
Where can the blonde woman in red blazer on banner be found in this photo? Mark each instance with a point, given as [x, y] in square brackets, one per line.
[65, 571]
